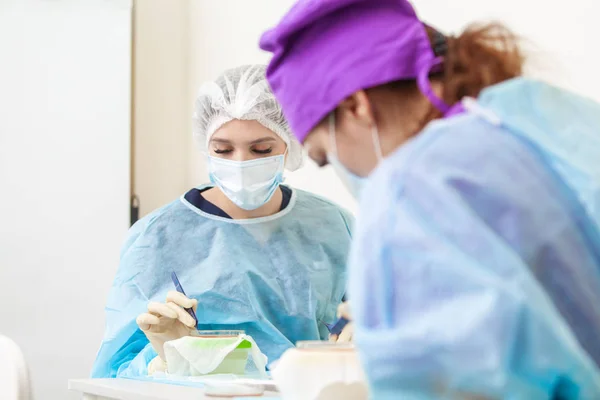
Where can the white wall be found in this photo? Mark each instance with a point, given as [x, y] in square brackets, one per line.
[560, 37]
[64, 178]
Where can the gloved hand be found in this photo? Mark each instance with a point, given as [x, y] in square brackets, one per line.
[168, 321]
[156, 365]
[348, 331]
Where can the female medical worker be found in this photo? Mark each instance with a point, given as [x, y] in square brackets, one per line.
[475, 268]
[251, 253]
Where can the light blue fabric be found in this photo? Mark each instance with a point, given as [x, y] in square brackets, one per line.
[479, 269]
[275, 277]
[565, 126]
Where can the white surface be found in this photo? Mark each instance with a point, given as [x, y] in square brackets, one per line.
[13, 370]
[125, 389]
[64, 178]
[560, 37]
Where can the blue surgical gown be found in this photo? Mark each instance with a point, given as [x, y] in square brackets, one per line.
[478, 273]
[278, 278]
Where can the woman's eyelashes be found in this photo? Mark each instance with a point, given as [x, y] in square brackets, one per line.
[260, 151]
[263, 151]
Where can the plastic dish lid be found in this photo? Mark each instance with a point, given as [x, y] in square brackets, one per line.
[323, 345]
[218, 333]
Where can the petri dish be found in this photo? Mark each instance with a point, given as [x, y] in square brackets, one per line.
[217, 333]
[235, 361]
[324, 345]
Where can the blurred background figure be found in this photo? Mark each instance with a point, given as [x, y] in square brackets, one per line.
[96, 106]
[487, 185]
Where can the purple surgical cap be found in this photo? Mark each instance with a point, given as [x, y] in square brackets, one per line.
[326, 50]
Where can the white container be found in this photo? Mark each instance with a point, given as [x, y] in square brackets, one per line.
[320, 371]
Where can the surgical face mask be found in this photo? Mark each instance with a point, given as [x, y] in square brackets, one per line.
[248, 184]
[353, 182]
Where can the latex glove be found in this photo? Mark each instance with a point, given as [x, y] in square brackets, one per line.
[156, 365]
[167, 321]
[348, 332]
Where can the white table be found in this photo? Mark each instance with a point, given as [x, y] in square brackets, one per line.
[127, 389]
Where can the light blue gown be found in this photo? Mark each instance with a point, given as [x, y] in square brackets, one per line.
[479, 271]
[278, 278]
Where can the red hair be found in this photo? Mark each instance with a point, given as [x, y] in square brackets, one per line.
[481, 56]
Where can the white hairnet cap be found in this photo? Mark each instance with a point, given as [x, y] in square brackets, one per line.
[242, 93]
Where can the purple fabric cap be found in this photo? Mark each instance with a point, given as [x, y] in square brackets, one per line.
[326, 50]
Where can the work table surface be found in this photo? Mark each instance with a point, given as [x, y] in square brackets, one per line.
[127, 389]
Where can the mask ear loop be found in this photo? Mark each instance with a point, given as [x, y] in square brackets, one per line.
[377, 143]
[332, 133]
[284, 160]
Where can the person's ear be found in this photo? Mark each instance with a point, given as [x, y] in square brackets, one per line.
[357, 108]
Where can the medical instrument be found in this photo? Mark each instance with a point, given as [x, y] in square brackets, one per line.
[179, 288]
[337, 327]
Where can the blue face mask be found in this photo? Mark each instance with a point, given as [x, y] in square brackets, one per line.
[248, 184]
[353, 182]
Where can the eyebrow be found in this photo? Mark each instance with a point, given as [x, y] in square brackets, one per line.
[263, 140]
[257, 141]
[218, 140]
